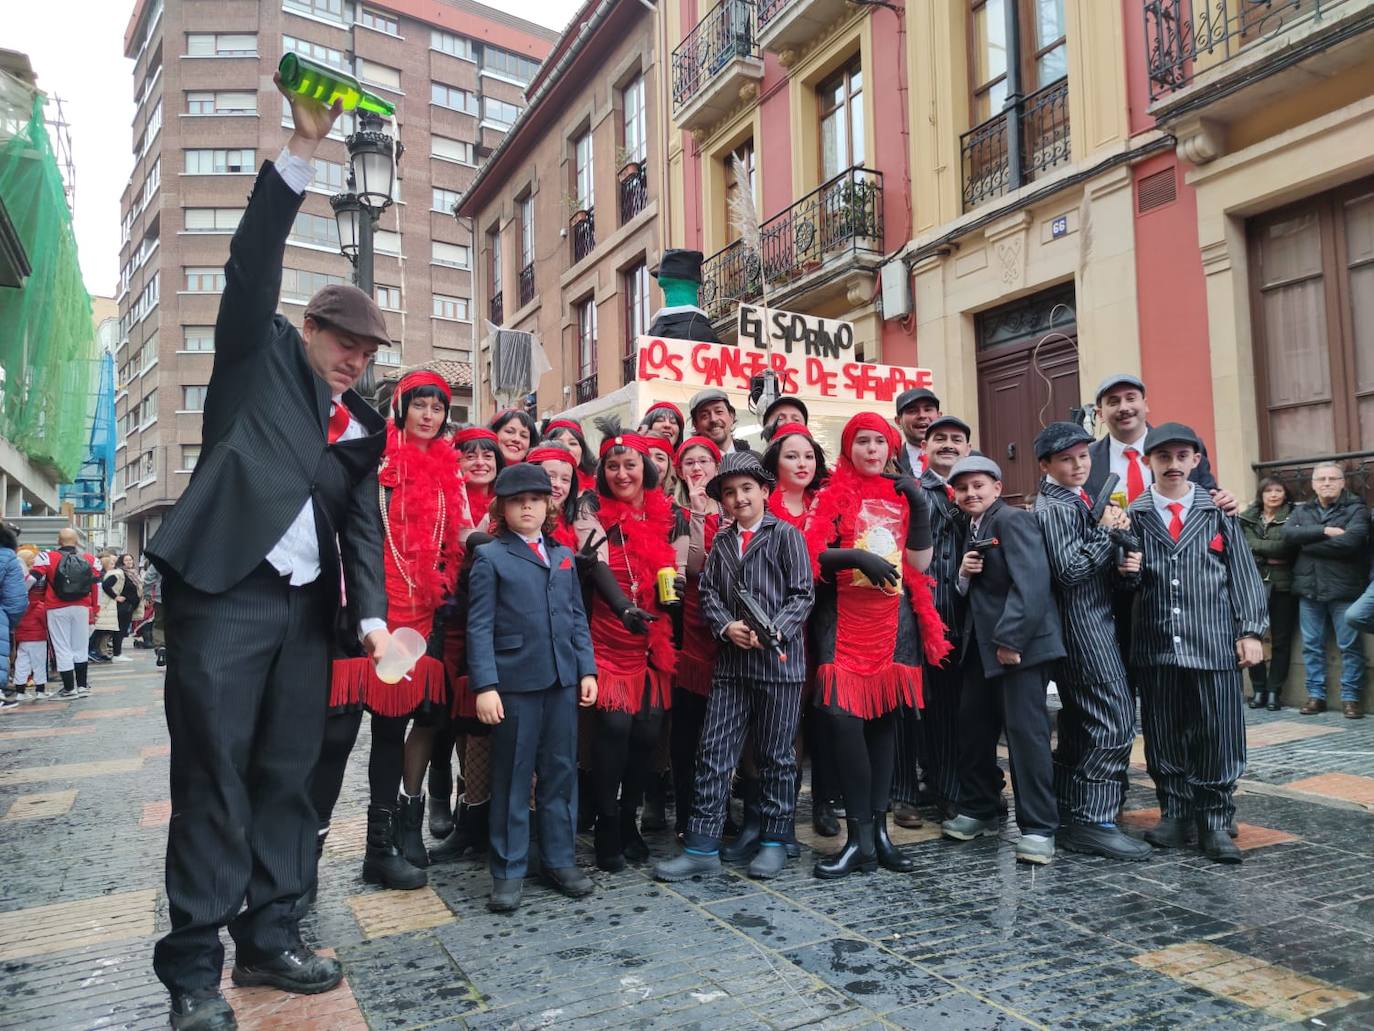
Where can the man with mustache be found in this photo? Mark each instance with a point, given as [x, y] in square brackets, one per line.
[1121, 405]
[917, 408]
[713, 417]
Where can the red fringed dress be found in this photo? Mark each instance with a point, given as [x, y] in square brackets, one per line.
[697, 659]
[869, 644]
[634, 669]
[424, 509]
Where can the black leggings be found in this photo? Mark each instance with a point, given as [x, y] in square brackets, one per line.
[441, 761]
[865, 753]
[684, 734]
[623, 752]
[386, 759]
[340, 733]
[820, 745]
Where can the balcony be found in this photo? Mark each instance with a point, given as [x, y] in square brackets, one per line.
[582, 229]
[629, 365]
[497, 310]
[633, 190]
[526, 285]
[1037, 138]
[717, 60]
[586, 389]
[788, 25]
[829, 240]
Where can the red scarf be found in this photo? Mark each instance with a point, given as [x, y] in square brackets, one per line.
[479, 500]
[779, 509]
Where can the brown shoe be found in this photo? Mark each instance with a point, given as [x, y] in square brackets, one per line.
[1313, 706]
[1352, 711]
[907, 816]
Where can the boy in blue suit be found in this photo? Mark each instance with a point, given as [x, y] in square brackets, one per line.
[530, 664]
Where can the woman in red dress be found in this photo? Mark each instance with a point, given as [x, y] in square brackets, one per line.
[561, 465]
[663, 419]
[869, 539]
[568, 433]
[516, 431]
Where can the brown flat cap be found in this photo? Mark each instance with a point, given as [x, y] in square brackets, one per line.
[349, 310]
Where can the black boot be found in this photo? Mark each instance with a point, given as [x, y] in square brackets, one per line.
[654, 815]
[889, 856]
[610, 855]
[161, 654]
[1274, 704]
[631, 843]
[411, 838]
[823, 820]
[750, 836]
[383, 862]
[859, 853]
[1259, 697]
[440, 817]
[471, 832]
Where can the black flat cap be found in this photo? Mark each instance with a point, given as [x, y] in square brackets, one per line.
[738, 463]
[1060, 436]
[907, 398]
[522, 478]
[952, 422]
[1171, 433]
[348, 309]
[677, 263]
[974, 464]
[705, 397]
[1118, 379]
[795, 402]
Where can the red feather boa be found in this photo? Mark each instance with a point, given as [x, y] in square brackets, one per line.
[779, 508]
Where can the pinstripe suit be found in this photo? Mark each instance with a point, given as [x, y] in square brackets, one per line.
[1195, 598]
[1097, 723]
[753, 690]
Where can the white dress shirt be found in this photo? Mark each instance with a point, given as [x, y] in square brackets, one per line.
[1119, 461]
[751, 530]
[916, 456]
[1162, 505]
[538, 541]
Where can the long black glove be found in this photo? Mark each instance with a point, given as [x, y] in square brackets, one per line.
[635, 619]
[918, 536]
[878, 569]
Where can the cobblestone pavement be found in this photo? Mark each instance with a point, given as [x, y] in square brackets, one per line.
[969, 940]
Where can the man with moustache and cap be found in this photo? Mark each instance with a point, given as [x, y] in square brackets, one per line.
[916, 408]
[1122, 406]
[713, 417]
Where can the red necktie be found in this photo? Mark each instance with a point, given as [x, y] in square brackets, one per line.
[1135, 481]
[1176, 523]
[538, 551]
[1083, 497]
[338, 421]
[745, 536]
[925, 461]
[949, 492]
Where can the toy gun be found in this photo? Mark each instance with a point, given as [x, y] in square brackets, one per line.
[983, 546]
[751, 612]
[1104, 496]
[1126, 541]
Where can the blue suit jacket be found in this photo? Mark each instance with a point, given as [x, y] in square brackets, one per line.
[527, 630]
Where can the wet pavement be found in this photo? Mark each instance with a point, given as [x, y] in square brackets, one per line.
[970, 940]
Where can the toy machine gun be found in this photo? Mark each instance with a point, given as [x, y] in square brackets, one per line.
[751, 612]
[1126, 541]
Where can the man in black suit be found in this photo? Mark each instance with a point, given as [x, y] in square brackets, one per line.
[1011, 638]
[1122, 406]
[917, 408]
[713, 417]
[283, 498]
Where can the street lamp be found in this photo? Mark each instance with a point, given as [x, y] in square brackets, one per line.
[371, 179]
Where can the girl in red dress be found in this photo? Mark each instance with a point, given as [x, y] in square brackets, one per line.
[568, 433]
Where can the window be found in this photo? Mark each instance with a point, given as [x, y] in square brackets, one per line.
[204, 280]
[331, 10]
[582, 171]
[379, 20]
[444, 200]
[315, 231]
[458, 46]
[190, 455]
[193, 399]
[150, 130]
[147, 300]
[225, 44]
[147, 354]
[151, 183]
[342, 127]
[455, 255]
[452, 308]
[147, 470]
[634, 133]
[745, 153]
[494, 259]
[388, 297]
[299, 285]
[211, 220]
[636, 286]
[512, 66]
[379, 74]
[330, 176]
[526, 208]
[586, 338]
[451, 150]
[386, 242]
[499, 113]
[1044, 56]
[222, 103]
[221, 162]
[317, 52]
[842, 121]
[197, 338]
[388, 355]
[452, 97]
[147, 409]
[1051, 55]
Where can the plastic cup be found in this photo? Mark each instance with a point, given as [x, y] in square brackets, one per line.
[407, 648]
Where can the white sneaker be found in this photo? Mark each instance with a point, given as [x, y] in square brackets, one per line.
[82, 692]
[121, 658]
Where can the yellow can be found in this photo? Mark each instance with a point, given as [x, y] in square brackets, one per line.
[667, 586]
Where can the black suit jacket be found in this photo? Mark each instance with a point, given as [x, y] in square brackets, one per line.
[264, 450]
[1100, 451]
[1010, 603]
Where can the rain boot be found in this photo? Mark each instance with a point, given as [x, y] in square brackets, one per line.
[889, 856]
[383, 862]
[859, 853]
[440, 817]
[410, 837]
[470, 832]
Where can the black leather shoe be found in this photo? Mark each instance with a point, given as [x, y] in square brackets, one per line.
[610, 856]
[823, 820]
[889, 855]
[631, 843]
[201, 1010]
[1170, 832]
[1259, 699]
[294, 970]
[1217, 846]
[567, 880]
[1110, 842]
[505, 894]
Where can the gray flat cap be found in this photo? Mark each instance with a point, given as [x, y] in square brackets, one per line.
[975, 464]
[907, 398]
[739, 463]
[1117, 379]
[705, 397]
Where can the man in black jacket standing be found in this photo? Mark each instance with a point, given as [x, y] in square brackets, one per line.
[1330, 572]
[283, 499]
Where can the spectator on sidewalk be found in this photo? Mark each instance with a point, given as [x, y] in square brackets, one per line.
[1360, 615]
[31, 637]
[72, 578]
[1263, 524]
[14, 600]
[1330, 571]
[130, 601]
[152, 591]
[107, 615]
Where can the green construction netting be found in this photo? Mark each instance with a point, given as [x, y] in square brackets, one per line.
[47, 340]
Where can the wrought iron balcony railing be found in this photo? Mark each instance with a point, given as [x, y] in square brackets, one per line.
[634, 190]
[526, 285]
[586, 389]
[497, 309]
[726, 32]
[994, 165]
[629, 365]
[1186, 37]
[582, 228]
[838, 220]
[770, 9]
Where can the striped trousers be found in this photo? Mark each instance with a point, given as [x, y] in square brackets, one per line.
[769, 712]
[1194, 722]
[1096, 730]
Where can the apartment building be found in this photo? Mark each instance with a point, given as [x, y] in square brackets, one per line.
[208, 116]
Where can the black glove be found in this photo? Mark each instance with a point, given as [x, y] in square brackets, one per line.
[907, 486]
[878, 569]
[918, 536]
[635, 619]
[586, 556]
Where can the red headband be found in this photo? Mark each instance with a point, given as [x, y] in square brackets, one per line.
[660, 443]
[551, 454]
[633, 441]
[420, 378]
[691, 442]
[664, 406]
[472, 433]
[787, 429]
[563, 424]
[868, 421]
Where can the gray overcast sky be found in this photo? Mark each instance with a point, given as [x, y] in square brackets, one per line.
[77, 53]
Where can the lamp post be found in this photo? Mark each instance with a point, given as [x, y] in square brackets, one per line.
[371, 178]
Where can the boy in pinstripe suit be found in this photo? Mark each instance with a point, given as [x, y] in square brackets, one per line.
[755, 686]
[1097, 723]
[1200, 615]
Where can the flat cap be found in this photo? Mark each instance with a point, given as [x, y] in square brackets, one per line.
[975, 464]
[705, 397]
[678, 263]
[786, 399]
[952, 422]
[349, 310]
[907, 398]
[1118, 379]
[738, 463]
[1171, 433]
[522, 478]
[1060, 436]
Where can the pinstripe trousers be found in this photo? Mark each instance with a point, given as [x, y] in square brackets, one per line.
[769, 712]
[1194, 722]
[1096, 730]
[910, 757]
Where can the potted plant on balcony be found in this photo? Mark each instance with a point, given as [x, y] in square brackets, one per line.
[852, 214]
[628, 163]
[578, 214]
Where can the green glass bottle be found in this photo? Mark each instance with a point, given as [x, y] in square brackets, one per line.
[312, 79]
